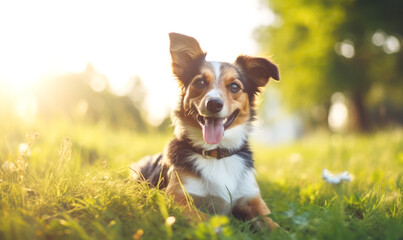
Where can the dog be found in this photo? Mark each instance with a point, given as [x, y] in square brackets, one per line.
[209, 163]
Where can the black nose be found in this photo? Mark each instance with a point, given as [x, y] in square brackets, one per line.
[214, 105]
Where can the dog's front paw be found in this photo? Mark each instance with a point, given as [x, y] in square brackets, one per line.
[266, 222]
[271, 224]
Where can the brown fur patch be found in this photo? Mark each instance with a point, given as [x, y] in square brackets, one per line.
[195, 96]
[234, 101]
[253, 208]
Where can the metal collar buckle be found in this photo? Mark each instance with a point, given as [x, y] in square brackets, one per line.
[204, 154]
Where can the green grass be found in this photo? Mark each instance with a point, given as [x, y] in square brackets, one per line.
[76, 185]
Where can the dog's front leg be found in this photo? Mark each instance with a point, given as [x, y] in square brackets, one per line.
[190, 211]
[248, 209]
[176, 189]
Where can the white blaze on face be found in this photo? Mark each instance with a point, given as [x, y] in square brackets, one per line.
[214, 93]
[217, 72]
[213, 129]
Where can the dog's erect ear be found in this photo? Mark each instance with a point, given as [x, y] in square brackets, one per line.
[184, 50]
[258, 70]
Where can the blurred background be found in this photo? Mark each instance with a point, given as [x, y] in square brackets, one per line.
[341, 62]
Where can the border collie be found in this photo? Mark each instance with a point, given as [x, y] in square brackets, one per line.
[209, 163]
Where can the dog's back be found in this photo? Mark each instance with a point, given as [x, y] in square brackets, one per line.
[151, 169]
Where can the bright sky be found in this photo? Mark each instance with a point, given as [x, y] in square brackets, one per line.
[121, 39]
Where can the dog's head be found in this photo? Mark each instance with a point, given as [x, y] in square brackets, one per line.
[216, 96]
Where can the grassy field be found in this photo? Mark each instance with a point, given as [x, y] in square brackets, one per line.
[66, 181]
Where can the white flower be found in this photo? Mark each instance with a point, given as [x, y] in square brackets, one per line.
[336, 179]
[170, 220]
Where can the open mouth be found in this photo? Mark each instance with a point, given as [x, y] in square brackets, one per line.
[213, 128]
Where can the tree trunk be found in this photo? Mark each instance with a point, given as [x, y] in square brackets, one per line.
[360, 115]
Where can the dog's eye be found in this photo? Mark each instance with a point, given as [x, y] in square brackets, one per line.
[200, 83]
[234, 87]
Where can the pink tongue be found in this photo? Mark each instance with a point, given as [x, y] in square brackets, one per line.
[213, 130]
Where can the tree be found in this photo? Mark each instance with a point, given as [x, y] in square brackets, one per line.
[327, 46]
[73, 96]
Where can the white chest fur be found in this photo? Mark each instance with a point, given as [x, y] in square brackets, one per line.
[226, 178]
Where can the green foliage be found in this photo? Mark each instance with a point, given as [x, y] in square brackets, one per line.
[301, 46]
[305, 41]
[62, 194]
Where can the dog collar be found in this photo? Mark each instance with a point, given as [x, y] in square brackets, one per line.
[217, 153]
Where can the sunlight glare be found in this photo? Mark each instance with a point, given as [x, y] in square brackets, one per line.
[98, 83]
[26, 107]
[121, 40]
[82, 107]
[338, 113]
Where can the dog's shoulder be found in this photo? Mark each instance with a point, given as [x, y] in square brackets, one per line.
[179, 153]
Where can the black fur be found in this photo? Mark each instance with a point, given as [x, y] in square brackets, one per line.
[178, 153]
[246, 154]
[153, 170]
